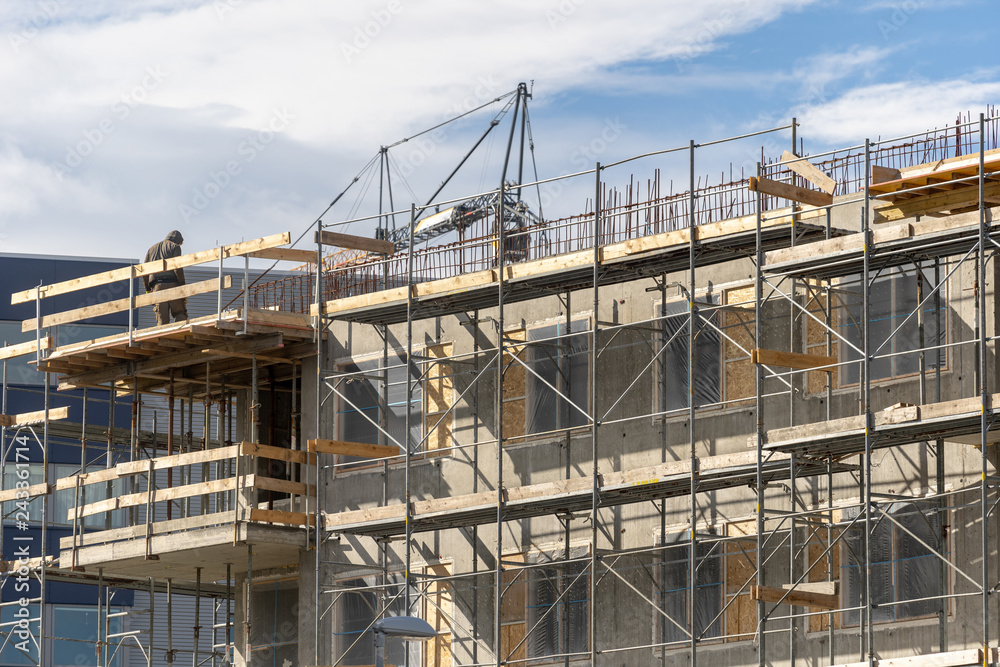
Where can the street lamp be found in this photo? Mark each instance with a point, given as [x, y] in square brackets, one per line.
[404, 627]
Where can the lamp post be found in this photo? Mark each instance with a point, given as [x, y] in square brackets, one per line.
[403, 627]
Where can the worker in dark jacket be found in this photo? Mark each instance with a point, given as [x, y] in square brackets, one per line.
[169, 247]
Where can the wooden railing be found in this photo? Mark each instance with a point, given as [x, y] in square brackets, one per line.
[238, 494]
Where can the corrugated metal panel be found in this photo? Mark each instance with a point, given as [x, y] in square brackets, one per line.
[182, 618]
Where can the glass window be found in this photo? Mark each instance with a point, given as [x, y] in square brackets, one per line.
[674, 393]
[892, 299]
[275, 630]
[901, 567]
[65, 499]
[558, 606]
[561, 363]
[672, 593]
[363, 394]
[20, 649]
[357, 608]
[77, 630]
[13, 473]
[19, 371]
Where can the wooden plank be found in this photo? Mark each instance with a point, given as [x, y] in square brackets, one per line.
[32, 491]
[149, 268]
[809, 171]
[795, 597]
[86, 479]
[884, 174]
[160, 495]
[362, 449]
[909, 208]
[158, 528]
[279, 485]
[792, 192]
[26, 418]
[141, 300]
[141, 466]
[821, 587]
[286, 255]
[356, 242]
[967, 658]
[789, 359]
[278, 516]
[279, 453]
[22, 349]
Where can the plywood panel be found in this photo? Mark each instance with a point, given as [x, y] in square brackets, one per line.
[820, 572]
[510, 636]
[514, 582]
[741, 560]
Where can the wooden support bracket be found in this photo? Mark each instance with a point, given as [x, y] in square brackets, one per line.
[353, 449]
[809, 171]
[794, 597]
[356, 242]
[789, 359]
[792, 192]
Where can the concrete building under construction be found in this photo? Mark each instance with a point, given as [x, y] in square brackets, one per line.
[747, 423]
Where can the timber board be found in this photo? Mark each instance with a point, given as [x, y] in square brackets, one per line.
[620, 262]
[567, 496]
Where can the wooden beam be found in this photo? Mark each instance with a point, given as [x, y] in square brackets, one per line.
[141, 466]
[26, 418]
[356, 242]
[884, 174]
[821, 587]
[119, 305]
[278, 516]
[795, 598]
[789, 359]
[286, 255]
[278, 453]
[132, 369]
[22, 349]
[809, 171]
[353, 449]
[149, 268]
[943, 201]
[32, 491]
[792, 192]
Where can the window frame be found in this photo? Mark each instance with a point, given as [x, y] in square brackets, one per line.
[580, 576]
[718, 400]
[678, 544]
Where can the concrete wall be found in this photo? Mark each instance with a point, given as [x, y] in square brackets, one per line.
[623, 618]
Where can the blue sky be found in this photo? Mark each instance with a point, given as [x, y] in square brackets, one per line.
[232, 119]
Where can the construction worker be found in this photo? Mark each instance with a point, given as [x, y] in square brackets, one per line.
[168, 247]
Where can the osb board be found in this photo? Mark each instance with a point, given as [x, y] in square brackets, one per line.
[440, 437]
[513, 418]
[741, 562]
[438, 612]
[816, 380]
[439, 384]
[514, 582]
[510, 636]
[820, 572]
[514, 373]
[741, 379]
[738, 324]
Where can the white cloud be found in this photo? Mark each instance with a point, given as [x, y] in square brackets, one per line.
[894, 109]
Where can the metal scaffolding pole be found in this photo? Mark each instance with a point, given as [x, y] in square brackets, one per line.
[595, 472]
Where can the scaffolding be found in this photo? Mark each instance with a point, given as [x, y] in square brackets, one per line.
[859, 333]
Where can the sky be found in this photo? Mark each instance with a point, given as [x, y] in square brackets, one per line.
[235, 119]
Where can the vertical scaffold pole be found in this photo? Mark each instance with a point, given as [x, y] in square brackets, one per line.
[692, 318]
[596, 488]
[497, 583]
[982, 256]
[197, 618]
[407, 418]
[869, 633]
[317, 405]
[759, 409]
